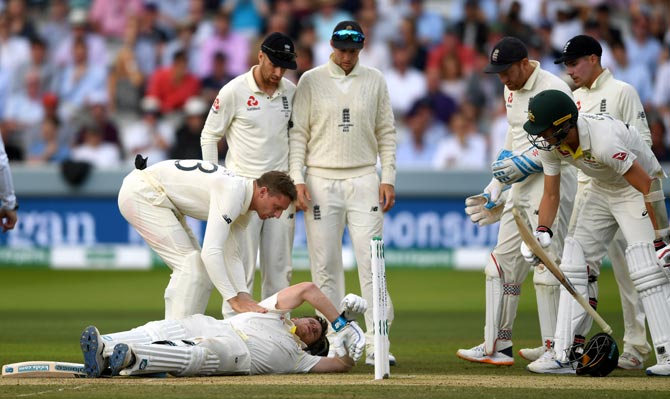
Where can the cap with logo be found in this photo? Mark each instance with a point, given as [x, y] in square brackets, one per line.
[280, 50]
[348, 35]
[549, 108]
[505, 53]
[579, 46]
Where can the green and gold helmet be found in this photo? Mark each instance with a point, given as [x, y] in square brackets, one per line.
[550, 109]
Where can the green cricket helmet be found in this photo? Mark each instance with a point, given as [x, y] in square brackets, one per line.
[550, 109]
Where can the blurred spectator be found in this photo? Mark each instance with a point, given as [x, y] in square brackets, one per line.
[150, 39]
[23, 114]
[173, 85]
[326, 16]
[185, 41]
[489, 9]
[150, 136]
[642, 47]
[407, 34]
[95, 150]
[464, 148]
[96, 47]
[513, 25]
[39, 61]
[416, 149]
[604, 26]
[20, 22]
[50, 146]
[566, 26]
[67, 131]
[79, 78]
[109, 17]
[498, 130]
[187, 138]
[406, 84]
[429, 24]
[472, 30]
[661, 96]
[659, 138]
[224, 40]
[198, 17]
[96, 103]
[482, 90]
[633, 73]
[607, 58]
[247, 16]
[376, 52]
[14, 50]
[56, 27]
[125, 81]
[443, 105]
[216, 80]
[453, 80]
[451, 44]
[305, 62]
[171, 13]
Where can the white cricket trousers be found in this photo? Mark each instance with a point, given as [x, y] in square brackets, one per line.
[353, 203]
[144, 204]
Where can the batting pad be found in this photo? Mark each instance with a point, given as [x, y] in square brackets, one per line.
[43, 369]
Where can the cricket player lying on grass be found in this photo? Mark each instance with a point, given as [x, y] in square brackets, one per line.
[247, 343]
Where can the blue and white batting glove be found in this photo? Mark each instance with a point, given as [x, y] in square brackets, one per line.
[349, 340]
[511, 167]
[352, 305]
[543, 235]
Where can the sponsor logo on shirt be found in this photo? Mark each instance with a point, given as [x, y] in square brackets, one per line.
[216, 105]
[227, 219]
[374, 208]
[621, 156]
[252, 104]
[579, 105]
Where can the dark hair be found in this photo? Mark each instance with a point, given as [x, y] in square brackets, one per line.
[278, 183]
[320, 346]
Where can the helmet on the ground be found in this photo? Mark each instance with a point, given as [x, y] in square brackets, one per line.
[550, 109]
[600, 357]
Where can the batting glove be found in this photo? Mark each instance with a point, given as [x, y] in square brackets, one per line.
[662, 253]
[511, 167]
[352, 305]
[543, 235]
[350, 340]
[482, 210]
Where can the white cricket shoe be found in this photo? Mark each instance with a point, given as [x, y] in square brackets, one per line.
[532, 354]
[92, 348]
[661, 368]
[629, 361]
[370, 359]
[478, 355]
[121, 358]
[548, 364]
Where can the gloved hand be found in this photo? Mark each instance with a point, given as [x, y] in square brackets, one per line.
[352, 305]
[662, 253]
[511, 167]
[543, 235]
[493, 191]
[349, 341]
[482, 210]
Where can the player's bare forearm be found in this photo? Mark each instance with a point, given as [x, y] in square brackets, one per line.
[550, 200]
[303, 197]
[243, 302]
[333, 365]
[295, 295]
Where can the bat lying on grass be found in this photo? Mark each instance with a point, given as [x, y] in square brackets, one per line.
[43, 369]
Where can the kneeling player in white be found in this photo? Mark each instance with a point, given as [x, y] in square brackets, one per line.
[247, 343]
[623, 190]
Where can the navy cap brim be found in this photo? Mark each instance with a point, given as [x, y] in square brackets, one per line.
[281, 63]
[567, 57]
[497, 68]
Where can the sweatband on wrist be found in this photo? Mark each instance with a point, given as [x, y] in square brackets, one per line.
[339, 323]
[545, 229]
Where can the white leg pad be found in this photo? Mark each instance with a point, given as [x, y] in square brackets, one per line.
[502, 300]
[547, 292]
[177, 358]
[570, 313]
[653, 287]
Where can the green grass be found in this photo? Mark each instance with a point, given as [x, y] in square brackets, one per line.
[437, 311]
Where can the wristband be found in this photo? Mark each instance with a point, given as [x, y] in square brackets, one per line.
[545, 229]
[339, 323]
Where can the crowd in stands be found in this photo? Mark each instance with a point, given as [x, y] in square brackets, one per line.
[102, 80]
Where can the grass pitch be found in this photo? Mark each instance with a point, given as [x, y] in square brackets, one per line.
[42, 313]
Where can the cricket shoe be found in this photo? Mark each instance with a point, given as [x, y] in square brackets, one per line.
[548, 364]
[478, 354]
[628, 361]
[92, 348]
[370, 359]
[662, 368]
[532, 354]
[121, 358]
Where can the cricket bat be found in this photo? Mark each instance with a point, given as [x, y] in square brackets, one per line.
[528, 237]
[43, 369]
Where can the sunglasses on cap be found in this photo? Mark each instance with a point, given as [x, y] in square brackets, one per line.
[348, 34]
[281, 55]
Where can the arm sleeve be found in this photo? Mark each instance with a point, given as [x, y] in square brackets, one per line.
[386, 135]
[218, 121]
[7, 195]
[551, 164]
[299, 133]
[632, 112]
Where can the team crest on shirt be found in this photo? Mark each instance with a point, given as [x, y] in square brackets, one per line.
[346, 121]
[216, 105]
[588, 157]
[621, 156]
[252, 104]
